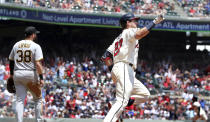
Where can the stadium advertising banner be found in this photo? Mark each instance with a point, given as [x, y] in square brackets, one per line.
[179, 25]
[65, 18]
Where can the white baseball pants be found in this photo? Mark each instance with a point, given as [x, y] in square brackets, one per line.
[21, 78]
[126, 86]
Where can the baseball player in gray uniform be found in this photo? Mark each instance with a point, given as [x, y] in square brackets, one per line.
[123, 52]
[26, 70]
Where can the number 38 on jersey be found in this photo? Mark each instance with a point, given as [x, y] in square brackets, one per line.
[24, 56]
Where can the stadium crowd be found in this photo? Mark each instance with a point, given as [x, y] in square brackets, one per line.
[82, 89]
[195, 8]
[142, 7]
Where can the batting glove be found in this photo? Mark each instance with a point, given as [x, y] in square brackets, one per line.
[159, 19]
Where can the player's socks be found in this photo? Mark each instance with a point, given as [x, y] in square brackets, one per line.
[130, 102]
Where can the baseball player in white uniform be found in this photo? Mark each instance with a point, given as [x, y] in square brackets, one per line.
[26, 69]
[199, 113]
[124, 52]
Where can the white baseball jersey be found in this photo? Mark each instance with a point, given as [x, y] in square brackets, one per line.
[125, 50]
[24, 54]
[125, 47]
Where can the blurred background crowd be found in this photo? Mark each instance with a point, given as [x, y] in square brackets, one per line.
[78, 85]
[82, 89]
[191, 8]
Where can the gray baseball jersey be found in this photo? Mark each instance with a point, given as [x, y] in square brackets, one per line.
[24, 54]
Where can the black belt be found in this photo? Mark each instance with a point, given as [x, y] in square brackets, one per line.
[131, 65]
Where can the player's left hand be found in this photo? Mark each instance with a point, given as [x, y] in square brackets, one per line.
[11, 85]
[159, 18]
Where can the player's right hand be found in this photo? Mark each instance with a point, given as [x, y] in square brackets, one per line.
[159, 18]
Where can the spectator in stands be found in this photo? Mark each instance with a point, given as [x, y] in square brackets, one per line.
[2, 72]
[192, 12]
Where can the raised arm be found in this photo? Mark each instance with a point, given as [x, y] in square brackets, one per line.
[144, 31]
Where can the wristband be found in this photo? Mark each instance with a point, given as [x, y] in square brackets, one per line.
[41, 76]
[150, 26]
[11, 66]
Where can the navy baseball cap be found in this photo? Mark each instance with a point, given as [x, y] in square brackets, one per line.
[129, 16]
[31, 30]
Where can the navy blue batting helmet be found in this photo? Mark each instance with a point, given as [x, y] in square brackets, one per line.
[127, 17]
